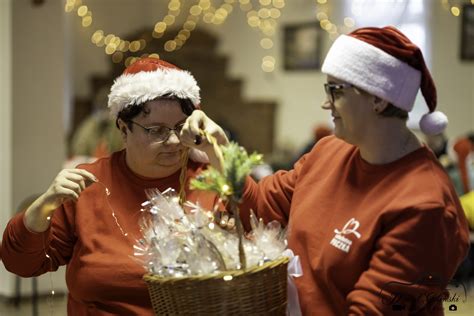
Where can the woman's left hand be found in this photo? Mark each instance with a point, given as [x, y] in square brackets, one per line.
[225, 220]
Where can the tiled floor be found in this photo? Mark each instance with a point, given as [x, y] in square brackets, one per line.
[58, 307]
[46, 307]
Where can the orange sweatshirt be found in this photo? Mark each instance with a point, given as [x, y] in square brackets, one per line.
[101, 277]
[372, 239]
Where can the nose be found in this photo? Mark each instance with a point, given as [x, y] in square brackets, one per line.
[173, 138]
[326, 105]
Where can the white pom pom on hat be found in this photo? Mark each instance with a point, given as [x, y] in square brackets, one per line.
[433, 123]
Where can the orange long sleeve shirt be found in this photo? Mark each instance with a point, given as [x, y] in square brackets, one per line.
[101, 276]
[372, 239]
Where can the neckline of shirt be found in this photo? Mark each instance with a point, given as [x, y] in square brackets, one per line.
[378, 168]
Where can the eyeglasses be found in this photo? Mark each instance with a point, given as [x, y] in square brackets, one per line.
[160, 134]
[330, 88]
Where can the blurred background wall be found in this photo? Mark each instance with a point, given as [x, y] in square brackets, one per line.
[5, 132]
[47, 62]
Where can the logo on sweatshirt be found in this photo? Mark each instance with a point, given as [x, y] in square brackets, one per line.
[341, 240]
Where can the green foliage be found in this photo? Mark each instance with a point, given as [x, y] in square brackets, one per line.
[230, 183]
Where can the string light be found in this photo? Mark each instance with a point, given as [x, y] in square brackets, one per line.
[117, 57]
[263, 18]
[455, 10]
[82, 10]
[69, 7]
[130, 60]
[333, 29]
[266, 43]
[268, 63]
[349, 22]
[188, 26]
[454, 7]
[114, 45]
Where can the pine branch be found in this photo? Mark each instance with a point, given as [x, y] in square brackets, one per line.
[230, 183]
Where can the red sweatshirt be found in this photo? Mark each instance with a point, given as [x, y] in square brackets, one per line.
[101, 277]
[366, 233]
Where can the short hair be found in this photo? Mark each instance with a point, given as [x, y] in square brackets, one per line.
[393, 111]
[470, 136]
[132, 111]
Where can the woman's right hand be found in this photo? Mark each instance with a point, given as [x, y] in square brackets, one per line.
[68, 185]
[192, 135]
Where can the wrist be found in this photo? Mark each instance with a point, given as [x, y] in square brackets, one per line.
[38, 214]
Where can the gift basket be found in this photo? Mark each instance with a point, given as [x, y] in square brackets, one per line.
[197, 267]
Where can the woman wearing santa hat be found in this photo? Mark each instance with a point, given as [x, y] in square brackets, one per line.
[370, 212]
[74, 222]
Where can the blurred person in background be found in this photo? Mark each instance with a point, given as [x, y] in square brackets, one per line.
[97, 136]
[463, 152]
[437, 143]
[319, 131]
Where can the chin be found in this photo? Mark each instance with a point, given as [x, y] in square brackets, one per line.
[167, 169]
[169, 163]
[169, 156]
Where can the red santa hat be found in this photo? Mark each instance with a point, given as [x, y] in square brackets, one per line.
[385, 63]
[150, 78]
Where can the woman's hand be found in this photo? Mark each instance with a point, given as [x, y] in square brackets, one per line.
[225, 221]
[67, 185]
[193, 134]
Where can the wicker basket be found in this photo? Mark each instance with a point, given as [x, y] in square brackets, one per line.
[256, 291]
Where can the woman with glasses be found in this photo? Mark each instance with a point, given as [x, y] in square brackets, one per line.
[370, 212]
[88, 217]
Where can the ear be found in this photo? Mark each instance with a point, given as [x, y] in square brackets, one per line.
[123, 128]
[378, 104]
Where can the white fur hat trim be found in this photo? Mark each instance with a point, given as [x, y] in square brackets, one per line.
[131, 89]
[373, 70]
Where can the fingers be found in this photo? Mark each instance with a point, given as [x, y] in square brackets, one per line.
[68, 185]
[191, 132]
[219, 134]
[71, 185]
[223, 221]
[226, 222]
[231, 223]
[65, 194]
[88, 176]
[57, 194]
[80, 176]
[195, 128]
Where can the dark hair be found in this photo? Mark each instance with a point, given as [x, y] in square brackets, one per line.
[392, 111]
[470, 136]
[132, 111]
